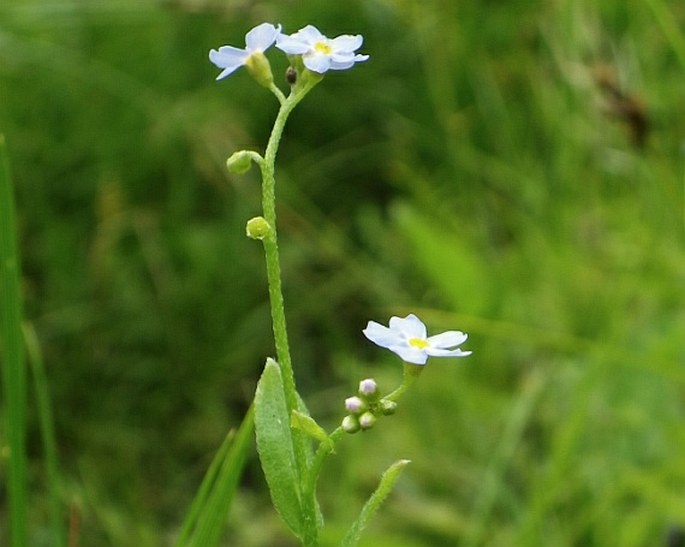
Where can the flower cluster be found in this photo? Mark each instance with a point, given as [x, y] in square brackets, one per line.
[365, 407]
[319, 53]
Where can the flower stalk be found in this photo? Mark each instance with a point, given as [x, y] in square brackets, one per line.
[273, 265]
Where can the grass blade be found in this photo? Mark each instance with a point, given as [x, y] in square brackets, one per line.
[13, 370]
[669, 26]
[47, 431]
[207, 515]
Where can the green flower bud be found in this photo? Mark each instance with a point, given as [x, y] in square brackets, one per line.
[259, 68]
[350, 424]
[239, 162]
[388, 407]
[367, 420]
[257, 228]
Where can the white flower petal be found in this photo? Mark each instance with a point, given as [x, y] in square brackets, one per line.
[410, 354]
[309, 34]
[262, 36]
[437, 352]
[227, 72]
[317, 63]
[448, 339]
[381, 335]
[338, 65]
[342, 63]
[228, 58]
[347, 42]
[342, 55]
[291, 45]
[411, 326]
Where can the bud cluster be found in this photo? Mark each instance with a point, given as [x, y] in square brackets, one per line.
[365, 407]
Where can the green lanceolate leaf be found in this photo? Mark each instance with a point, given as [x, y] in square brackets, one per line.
[369, 510]
[275, 446]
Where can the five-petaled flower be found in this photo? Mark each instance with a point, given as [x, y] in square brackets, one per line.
[319, 53]
[258, 40]
[407, 338]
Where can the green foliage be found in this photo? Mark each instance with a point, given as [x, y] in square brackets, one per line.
[12, 354]
[48, 437]
[205, 520]
[275, 446]
[307, 425]
[373, 504]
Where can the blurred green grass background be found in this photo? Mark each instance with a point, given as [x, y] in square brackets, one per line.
[511, 169]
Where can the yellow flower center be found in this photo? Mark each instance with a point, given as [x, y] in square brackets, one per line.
[418, 343]
[323, 47]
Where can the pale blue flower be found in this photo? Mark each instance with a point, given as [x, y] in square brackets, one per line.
[407, 338]
[258, 40]
[319, 53]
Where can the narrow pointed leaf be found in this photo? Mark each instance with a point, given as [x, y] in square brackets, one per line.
[369, 510]
[46, 424]
[275, 446]
[12, 361]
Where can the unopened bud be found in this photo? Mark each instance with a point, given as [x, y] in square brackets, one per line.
[368, 387]
[291, 75]
[257, 228]
[239, 162]
[354, 405]
[350, 424]
[388, 407]
[367, 420]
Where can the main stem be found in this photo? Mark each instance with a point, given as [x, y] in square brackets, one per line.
[273, 265]
[273, 271]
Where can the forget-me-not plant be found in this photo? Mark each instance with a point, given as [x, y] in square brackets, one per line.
[292, 446]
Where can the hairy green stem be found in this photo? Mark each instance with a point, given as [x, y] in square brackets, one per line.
[325, 448]
[411, 373]
[273, 265]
